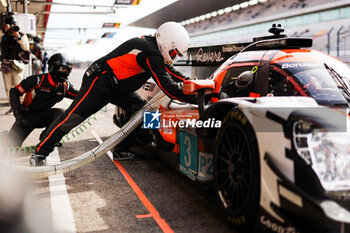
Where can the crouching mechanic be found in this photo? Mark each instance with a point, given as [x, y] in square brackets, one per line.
[115, 77]
[42, 92]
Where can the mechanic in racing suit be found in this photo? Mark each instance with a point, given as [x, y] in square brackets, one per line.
[42, 92]
[115, 77]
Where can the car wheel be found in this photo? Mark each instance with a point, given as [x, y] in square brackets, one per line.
[237, 171]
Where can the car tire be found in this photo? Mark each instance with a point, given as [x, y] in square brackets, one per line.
[237, 171]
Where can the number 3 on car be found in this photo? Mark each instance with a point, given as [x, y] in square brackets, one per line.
[188, 154]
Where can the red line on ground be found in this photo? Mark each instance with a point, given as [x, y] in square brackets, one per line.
[153, 212]
[144, 216]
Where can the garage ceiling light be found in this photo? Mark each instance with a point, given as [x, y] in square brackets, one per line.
[253, 2]
[221, 12]
[236, 7]
[244, 4]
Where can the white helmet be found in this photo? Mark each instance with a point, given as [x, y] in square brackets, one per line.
[172, 39]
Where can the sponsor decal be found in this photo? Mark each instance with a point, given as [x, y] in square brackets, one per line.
[203, 57]
[19, 87]
[271, 43]
[46, 89]
[153, 120]
[205, 165]
[231, 48]
[276, 227]
[298, 65]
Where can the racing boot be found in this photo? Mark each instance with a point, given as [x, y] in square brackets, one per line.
[37, 160]
[120, 154]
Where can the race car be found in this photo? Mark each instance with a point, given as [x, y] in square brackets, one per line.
[269, 132]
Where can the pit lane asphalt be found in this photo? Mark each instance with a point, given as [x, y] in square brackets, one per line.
[101, 198]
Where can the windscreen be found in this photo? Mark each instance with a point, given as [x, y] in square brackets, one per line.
[327, 80]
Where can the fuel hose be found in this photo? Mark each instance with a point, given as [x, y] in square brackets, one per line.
[88, 157]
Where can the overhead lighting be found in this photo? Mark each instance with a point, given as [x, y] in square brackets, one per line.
[244, 4]
[214, 14]
[202, 17]
[208, 16]
[262, 0]
[228, 9]
[221, 12]
[253, 2]
[197, 19]
[236, 7]
[193, 20]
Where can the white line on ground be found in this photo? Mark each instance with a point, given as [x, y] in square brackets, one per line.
[62, 213]
[99, 140]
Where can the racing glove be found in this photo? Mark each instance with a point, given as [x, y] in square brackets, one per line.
[20, 118]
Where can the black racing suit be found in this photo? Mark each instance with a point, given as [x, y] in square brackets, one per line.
[114, 79]
[41, 94]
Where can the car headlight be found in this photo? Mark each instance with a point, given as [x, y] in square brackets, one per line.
[328, 154]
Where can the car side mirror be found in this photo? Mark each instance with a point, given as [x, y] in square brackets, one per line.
[193, 87]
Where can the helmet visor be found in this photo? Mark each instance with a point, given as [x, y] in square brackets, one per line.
[173, 53]
[65, 70]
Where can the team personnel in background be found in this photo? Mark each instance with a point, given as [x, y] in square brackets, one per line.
[14, 54]
[45, 59]
[42, 92]
[115, 77]
[37, 61]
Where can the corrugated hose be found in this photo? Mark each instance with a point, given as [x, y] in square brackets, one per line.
[88, 157]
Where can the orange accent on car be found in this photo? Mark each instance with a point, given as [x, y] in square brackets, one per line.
[191, 87]
[242, 64]
[252, 94]
[218, 80]
[295, 55]
[214, 99]
[201, 146]
[291, 80]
